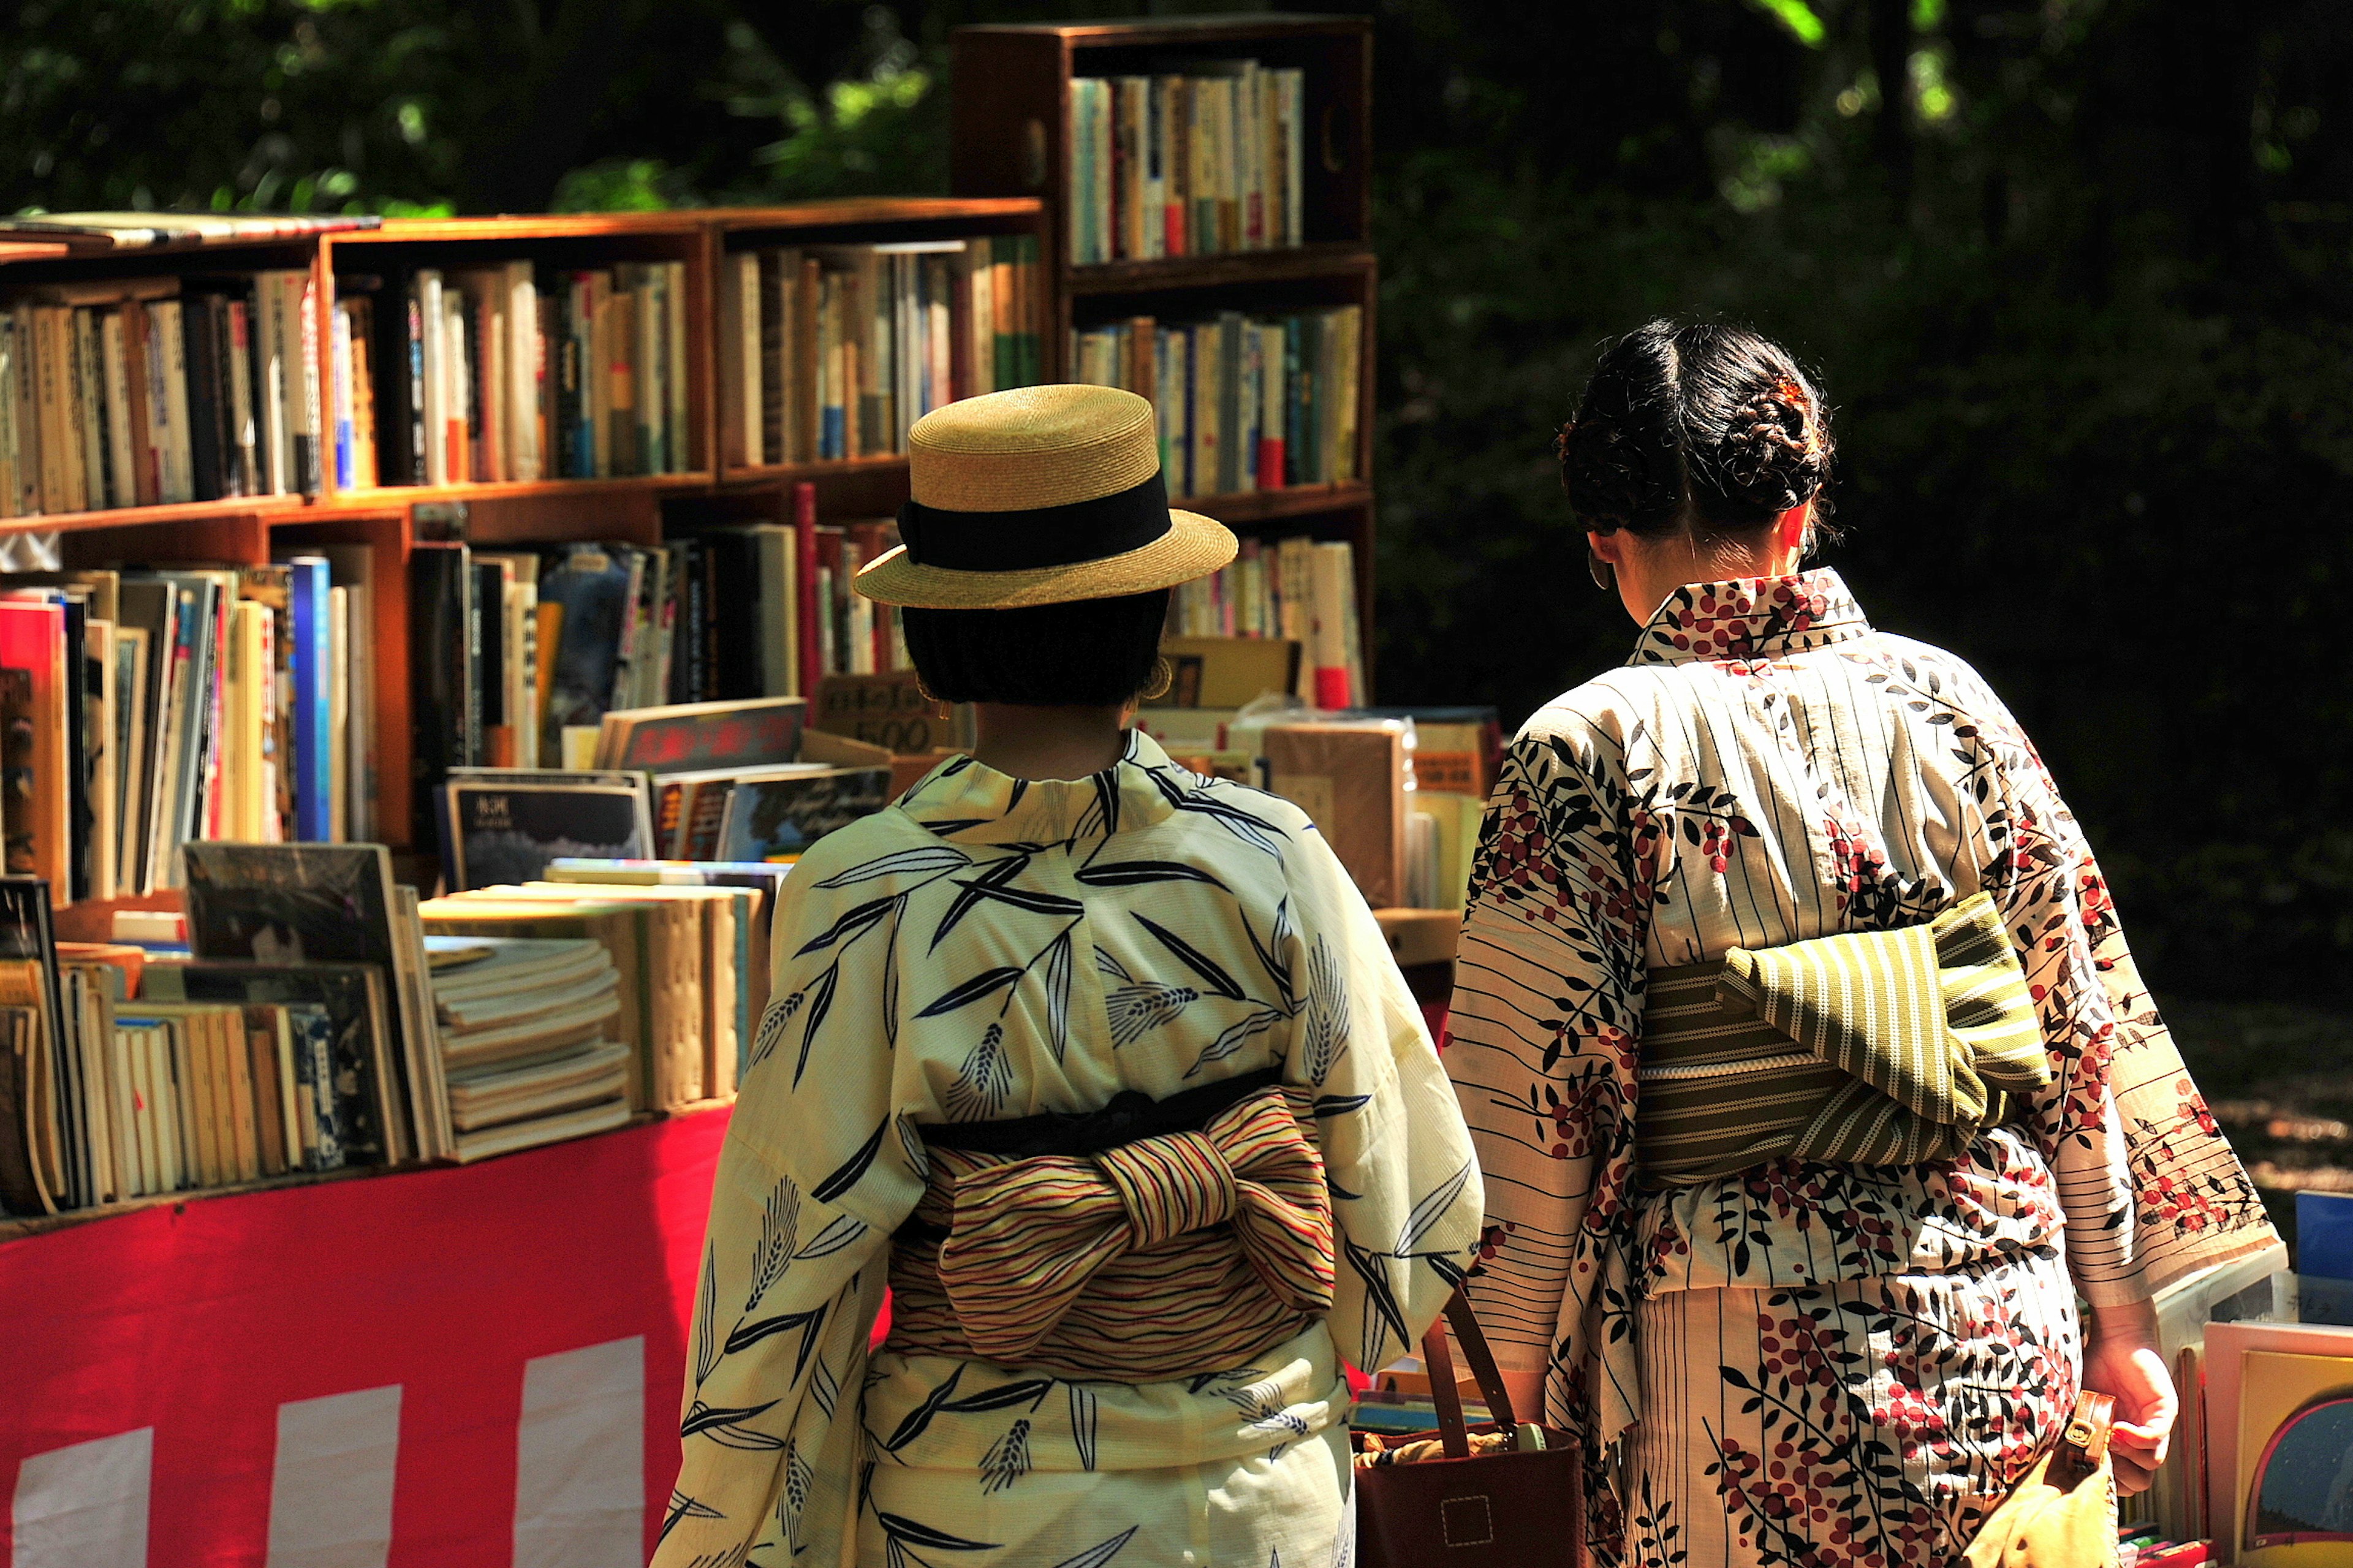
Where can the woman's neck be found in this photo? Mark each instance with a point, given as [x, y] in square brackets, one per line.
[1048, 742]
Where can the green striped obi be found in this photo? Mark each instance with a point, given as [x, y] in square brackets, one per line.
[1889, 1047]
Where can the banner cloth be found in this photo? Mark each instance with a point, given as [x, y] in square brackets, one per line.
[446, 1368]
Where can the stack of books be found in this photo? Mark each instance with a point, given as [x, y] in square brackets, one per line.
[833, 351]
[682, 956]
[141, 710]
[1187, 164]
[138, 391]
[1295, 588]
[511, 372]
[529, 1040]
[1244, 403]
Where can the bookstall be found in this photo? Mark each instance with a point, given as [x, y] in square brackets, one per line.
[312, 525]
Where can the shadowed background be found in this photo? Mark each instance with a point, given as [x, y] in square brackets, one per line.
[2074, 273]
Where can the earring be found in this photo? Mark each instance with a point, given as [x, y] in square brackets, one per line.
[1604, 575]
[1164, 676]
[935, 699]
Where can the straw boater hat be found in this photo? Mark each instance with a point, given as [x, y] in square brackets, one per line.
[1039, 496]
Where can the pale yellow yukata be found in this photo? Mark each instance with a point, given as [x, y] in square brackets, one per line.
[988, 949]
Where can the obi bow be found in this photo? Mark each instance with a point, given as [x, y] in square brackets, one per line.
[1885, 1048]
[1029, 1235]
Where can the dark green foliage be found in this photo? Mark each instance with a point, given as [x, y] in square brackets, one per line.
[2080, 298]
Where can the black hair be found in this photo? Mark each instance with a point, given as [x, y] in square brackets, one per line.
[1695, 426]
[1080, 654]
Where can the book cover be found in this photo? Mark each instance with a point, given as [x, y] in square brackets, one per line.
[340, 1018]
[444, 718]
[588, 584]
[301, 904]
[497, 831]
[776, 817]
[1350, 780]
[33, 1136]
[686, 736]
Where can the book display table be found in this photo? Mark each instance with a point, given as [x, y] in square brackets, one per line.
[439, 1368]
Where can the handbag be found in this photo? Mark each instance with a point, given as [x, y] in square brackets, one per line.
[2063, 1515]
[1523, 1507]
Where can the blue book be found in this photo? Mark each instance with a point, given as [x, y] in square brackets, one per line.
[312, 712]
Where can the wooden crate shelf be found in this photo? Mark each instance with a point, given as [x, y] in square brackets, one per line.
[1009, 135]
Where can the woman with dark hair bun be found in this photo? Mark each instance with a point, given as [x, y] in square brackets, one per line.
[1810, 1073]
[1105, 1069]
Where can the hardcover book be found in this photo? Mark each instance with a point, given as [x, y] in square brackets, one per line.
[497, 830]
[301, 904]
[775, 815]
[685, 736]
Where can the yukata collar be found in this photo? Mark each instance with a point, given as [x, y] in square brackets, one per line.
[975, 804]
[1746, 618]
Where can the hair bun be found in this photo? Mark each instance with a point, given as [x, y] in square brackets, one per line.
[1773, 455]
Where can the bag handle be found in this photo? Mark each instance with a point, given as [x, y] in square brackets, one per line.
[1438, 1361]
[2088, 1428]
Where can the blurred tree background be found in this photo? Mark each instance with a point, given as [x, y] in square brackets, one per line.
[2075, 272]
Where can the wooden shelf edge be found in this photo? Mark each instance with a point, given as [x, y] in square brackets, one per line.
[1244, 508]
[269, 507]
[1223, 269]
[848, 211]
[788, 473]
[508, 489]
[17, 1229]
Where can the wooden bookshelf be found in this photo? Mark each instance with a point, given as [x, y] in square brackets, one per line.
[1009, 136]
[391, 519]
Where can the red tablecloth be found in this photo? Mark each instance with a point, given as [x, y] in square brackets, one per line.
[531, 1311]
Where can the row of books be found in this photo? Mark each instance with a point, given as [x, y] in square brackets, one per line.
[312, 1024]
[833, 351]
[520, 654]
[143, 710]
[1244, 403]
[1191, 162]
[134, 392]
[511, 371]
[1300, 589]
[734, 781]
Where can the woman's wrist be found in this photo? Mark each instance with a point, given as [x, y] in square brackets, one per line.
[2135, 1321]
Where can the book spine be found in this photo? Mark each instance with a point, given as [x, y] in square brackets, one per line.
[806, 610]
[179, 421]
[346, 451]
[526, 357]
[430, 328]
[124, 439]
[243, 439]
[303, 296]
[89, 406]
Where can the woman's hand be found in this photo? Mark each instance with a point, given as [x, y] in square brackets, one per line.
[2124, 1359]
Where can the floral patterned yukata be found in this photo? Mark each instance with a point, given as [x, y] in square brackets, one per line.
[1842, 1366]
[988, 949]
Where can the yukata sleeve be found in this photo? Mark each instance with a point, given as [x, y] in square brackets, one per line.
[1547, 1010]
[2151, 1190]
[1406, 1192]
[813, 1179]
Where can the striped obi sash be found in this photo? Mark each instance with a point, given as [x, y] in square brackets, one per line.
[1148, 1240]
[1889, 1048]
